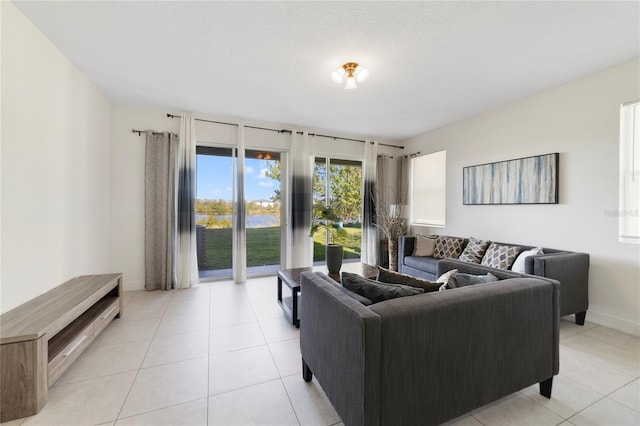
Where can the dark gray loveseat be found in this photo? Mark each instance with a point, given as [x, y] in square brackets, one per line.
[571, 269]
[425, 359]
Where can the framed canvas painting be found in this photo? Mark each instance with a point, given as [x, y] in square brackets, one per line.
[529, 180]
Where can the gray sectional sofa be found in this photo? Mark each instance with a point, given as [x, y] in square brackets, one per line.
[571, 269]
[428, 358]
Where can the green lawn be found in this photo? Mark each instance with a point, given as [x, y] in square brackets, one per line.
[351, 243]
[263, 246]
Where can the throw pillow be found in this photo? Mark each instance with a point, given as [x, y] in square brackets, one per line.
[425, 244]
[519, 264]
[462, 280]
[392, 277]
[356, 296]
[474, 251]
[500, 256]
[444, 279]
[448, 247]
[376, 291]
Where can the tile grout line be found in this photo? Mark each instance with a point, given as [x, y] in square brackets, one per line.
[143, 358]
[600, 399]
[209, 354]
[295, 413]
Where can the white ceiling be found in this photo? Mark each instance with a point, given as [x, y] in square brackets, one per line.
[431, 63]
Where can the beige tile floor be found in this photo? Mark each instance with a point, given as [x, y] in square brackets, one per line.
[223, 354]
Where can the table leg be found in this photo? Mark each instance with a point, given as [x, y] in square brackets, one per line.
[279, 289]
[294, 307]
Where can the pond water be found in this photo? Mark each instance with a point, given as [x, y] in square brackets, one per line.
[252, 221]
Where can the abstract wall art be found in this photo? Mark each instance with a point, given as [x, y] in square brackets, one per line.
[530, 180]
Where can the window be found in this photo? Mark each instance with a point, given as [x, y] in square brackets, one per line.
[629, 225]
[428, 189]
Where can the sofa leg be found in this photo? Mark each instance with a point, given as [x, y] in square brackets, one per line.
[545, 387]
[580, 316]
[307, 375]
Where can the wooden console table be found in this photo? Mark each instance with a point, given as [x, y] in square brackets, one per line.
[40, 339]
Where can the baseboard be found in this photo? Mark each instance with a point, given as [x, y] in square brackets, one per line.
[619, 324]
[133, 285]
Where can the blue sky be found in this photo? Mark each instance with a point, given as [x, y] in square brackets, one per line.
[213, 175]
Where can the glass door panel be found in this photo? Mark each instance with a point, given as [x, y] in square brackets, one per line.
[262, 206]
[214, 208]
[338, 183]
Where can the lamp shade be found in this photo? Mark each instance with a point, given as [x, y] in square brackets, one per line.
[336, 76]
[361, 74]
[351, 83]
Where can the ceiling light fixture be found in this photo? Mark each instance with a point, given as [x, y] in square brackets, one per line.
[352, 72]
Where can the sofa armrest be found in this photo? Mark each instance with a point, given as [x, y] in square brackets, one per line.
[572, 270]
[340, 343]
[466, 347]
[406, 244]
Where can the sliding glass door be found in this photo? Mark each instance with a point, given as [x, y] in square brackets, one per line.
[338, 183]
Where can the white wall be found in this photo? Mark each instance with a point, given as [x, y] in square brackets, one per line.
[580, 120]
[55, 173]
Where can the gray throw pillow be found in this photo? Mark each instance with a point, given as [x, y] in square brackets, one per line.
[462, 280]
[425, 244]
[392, 277]
[376, 291]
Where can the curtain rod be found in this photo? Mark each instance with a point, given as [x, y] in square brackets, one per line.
[285, 131]
[233, 124]
[139, 132]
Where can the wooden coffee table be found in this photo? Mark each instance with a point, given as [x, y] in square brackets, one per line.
[291, 278]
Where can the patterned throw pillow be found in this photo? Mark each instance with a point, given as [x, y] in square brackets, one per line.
[448, 247]
[474, 251]
[500, 256]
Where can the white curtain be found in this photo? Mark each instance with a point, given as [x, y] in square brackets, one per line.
[301, 248]
[186, 259]
[370, 239]
[239, 259]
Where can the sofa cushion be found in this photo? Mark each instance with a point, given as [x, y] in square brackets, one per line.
[459, 279]
[474, 251]
[425, 244]
[392, 277]
[519, 264]
[500, 256]
[377, 291]
[448, 247]
[427, 264]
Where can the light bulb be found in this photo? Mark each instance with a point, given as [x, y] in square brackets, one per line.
[351, 83]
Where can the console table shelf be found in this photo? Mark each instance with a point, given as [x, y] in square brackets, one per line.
[40, 339]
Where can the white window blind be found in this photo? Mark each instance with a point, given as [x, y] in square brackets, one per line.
[629, 225]
[428, 189]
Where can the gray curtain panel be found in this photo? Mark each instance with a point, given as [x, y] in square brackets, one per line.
[160, 210]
